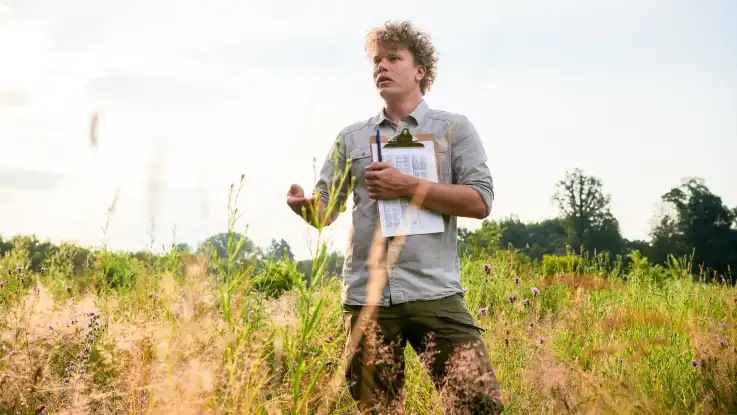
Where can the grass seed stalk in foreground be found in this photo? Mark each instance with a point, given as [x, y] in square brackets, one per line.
[193, 334]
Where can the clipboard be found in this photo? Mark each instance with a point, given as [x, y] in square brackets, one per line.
[432, 220]
[406, 139]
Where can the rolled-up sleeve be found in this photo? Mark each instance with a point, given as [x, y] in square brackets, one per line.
[331, 173]
[469, 161]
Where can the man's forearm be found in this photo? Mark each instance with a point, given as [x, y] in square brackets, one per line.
[450, 199]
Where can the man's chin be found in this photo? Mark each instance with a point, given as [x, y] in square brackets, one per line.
[387, 93]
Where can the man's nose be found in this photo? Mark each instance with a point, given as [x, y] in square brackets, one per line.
[382, 66]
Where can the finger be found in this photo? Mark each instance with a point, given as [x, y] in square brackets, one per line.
[378, 166]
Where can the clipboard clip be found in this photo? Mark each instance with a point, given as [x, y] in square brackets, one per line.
[403, 139]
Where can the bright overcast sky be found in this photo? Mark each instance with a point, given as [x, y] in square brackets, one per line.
[193, 94]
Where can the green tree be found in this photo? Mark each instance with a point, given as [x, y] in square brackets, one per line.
[333, 266]
[699, 224]
[249, 254]
[279, 250]
[483, 240]
[182, 247]
[586, 213]
[535, 239]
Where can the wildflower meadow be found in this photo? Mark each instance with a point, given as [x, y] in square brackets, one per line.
[195, 333]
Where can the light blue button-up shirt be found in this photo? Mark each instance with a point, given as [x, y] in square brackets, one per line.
[428, 266]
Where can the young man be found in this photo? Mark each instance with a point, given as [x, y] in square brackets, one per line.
[422, 302]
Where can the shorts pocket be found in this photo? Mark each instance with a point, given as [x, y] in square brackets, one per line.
[459, 318]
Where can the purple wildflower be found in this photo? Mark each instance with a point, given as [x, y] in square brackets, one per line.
[540, 340]
[526, 302]
[487, 268]
[722, 342]
[724, 325]
[512, 298]
[516, 280]
[2, 284]
[535, 291]
[694, 363]
[483, 311]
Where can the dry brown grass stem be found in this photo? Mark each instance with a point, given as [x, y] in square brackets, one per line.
[375, 288]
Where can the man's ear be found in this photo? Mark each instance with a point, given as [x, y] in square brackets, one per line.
[420, 72]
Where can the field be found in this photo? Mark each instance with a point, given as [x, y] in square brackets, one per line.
[186, 336]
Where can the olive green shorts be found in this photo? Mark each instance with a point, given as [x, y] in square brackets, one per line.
[444, 335]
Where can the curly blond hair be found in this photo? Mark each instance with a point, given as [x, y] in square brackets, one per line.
[404, 33]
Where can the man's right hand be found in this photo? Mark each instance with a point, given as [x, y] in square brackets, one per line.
[296, 199]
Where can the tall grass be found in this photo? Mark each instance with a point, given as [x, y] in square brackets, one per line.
[191, 334]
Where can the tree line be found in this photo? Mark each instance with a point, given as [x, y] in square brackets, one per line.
[696, 224]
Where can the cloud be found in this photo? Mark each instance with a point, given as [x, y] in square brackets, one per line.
[27, 179]
[150, 90]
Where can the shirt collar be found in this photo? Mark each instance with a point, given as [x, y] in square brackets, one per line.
[418, 114]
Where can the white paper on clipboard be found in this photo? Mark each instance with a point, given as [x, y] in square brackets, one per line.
[417, 162]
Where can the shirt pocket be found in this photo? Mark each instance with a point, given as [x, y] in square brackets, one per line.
[360, 158]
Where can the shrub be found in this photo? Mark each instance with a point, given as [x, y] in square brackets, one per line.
[276, 278]
[116, 270]
[569, 264]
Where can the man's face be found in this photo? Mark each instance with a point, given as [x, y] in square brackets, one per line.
[395, 72]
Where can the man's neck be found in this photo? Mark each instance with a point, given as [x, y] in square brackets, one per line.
[402, 108]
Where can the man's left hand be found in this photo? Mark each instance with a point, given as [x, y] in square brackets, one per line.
[386, 182]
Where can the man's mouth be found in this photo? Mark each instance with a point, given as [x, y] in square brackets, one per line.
[381, 79]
